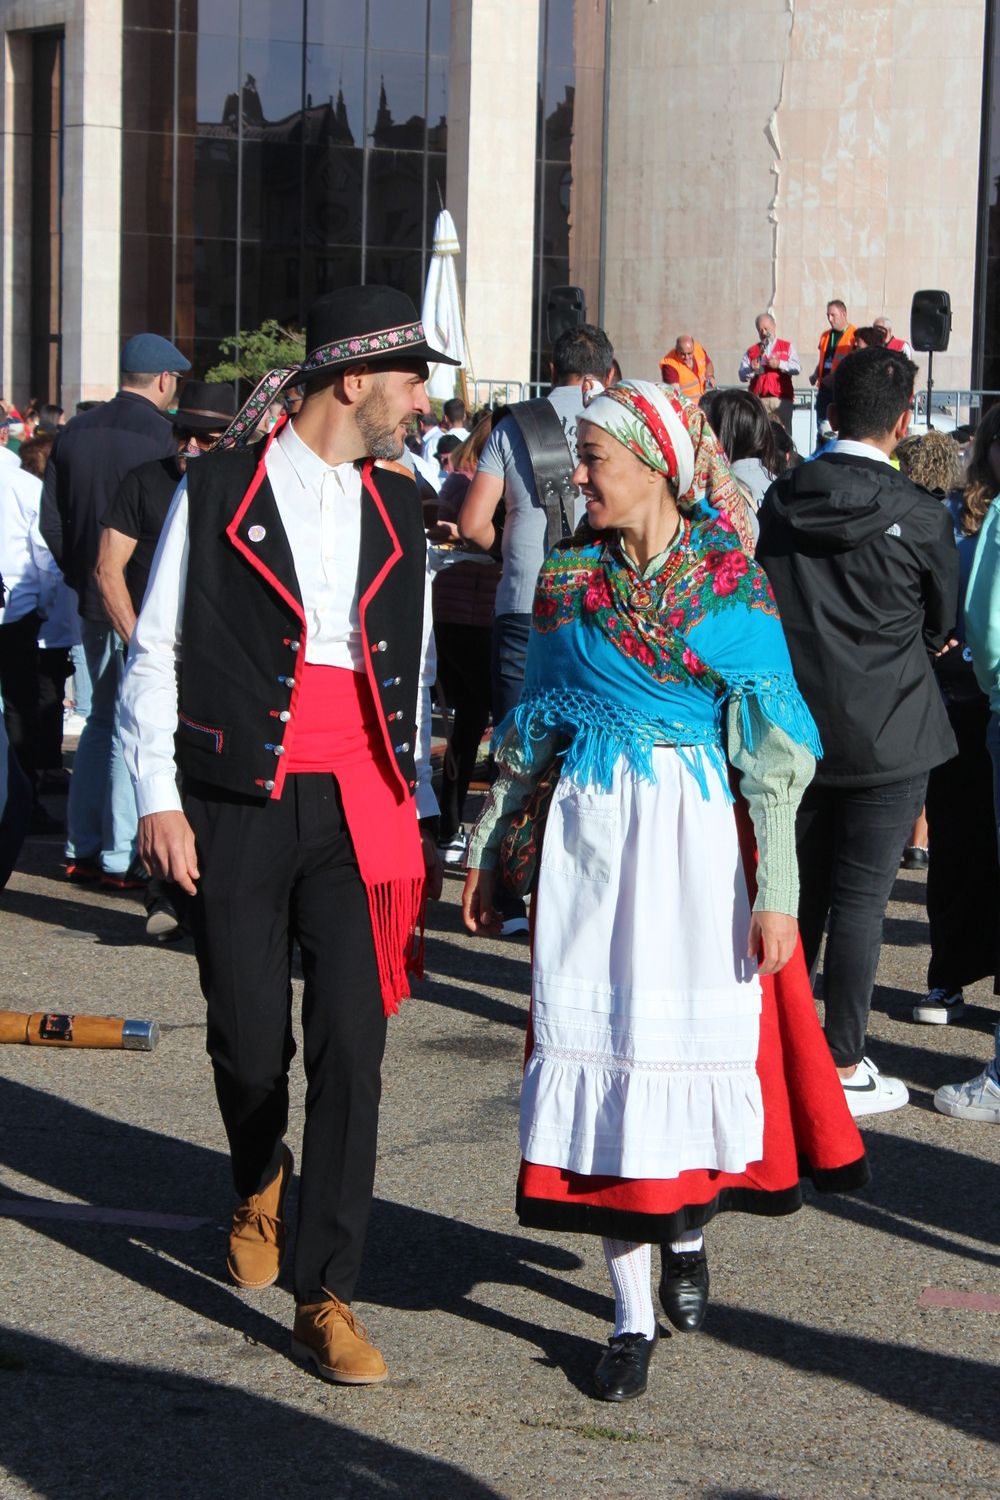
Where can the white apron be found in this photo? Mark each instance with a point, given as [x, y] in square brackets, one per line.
[645, 1008]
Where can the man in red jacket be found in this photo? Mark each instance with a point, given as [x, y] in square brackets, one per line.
[768, 366]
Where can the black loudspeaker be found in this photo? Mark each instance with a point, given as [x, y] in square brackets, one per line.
[565, 307]
[930, 322]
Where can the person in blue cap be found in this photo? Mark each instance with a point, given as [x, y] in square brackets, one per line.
[90, 458]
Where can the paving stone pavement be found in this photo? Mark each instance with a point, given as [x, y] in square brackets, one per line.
[130, 1368]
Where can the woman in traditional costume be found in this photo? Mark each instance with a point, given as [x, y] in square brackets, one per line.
[669, 1075]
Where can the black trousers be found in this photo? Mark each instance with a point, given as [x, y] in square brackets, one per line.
[272, 874]
[963, 878]
[850, 840]
[463, 654]
[19, 685]
[54, 666]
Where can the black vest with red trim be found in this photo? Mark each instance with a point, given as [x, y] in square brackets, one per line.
[243, 629]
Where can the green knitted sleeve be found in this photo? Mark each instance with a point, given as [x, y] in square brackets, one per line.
[773, 776]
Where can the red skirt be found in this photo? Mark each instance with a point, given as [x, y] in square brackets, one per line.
[808, 1132]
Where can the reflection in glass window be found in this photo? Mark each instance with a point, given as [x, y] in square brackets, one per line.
[336, 23]
[272, 188]
[279, 23]
[396, 198]
[396, 100]
[399, 25]
[146, 283]
[208, 80]
[206, 186]
[399, 268]
[333, 195]
[307, 152]
[218, 17]
[335, 79]
[147, 80]
[272, 81]
[147, 182]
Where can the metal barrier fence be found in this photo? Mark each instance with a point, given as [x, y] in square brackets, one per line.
[950, 408]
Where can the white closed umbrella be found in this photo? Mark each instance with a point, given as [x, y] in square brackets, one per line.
[442, 310]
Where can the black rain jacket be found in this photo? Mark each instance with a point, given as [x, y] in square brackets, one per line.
[864, 567]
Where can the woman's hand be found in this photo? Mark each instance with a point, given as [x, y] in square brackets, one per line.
[478, 912]
[773, 936]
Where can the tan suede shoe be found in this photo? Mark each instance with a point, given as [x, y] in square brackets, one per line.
[257, 1236]
[329, 1336]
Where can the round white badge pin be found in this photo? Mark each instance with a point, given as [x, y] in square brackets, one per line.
[257, 533]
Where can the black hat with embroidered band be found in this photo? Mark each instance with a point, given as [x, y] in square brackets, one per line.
[358, 325]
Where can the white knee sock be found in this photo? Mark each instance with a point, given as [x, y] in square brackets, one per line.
[629, 1268]
[688, 1244]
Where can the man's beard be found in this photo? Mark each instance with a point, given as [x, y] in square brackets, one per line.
[376, 427]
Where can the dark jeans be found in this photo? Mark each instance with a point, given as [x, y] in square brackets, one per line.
[850, 840]
[963, 877]
[19, 686]
[272, 873]
[463, 659]
[510, 652]
[54, 666]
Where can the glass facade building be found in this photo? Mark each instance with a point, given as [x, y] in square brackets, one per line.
[271, 153]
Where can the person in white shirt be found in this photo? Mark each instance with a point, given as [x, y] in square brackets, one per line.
[282, 663]
[31, 583]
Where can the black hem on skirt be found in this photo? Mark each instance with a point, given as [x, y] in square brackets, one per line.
[653, 1229]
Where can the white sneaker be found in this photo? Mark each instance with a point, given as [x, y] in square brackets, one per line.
[73, 726]
[979, 1099]
[868, 1092]
[455, 850]
[512, 925]
[940, 1007]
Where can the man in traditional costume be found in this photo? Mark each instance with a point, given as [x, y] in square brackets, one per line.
[281, 665]
[672, 1071]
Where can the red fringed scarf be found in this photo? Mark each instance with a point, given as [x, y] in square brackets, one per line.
[337, 729]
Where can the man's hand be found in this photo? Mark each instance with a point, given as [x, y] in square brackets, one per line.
[478, 912]
[433, 869]
[773, 362]
[166, 848]
[772, 938]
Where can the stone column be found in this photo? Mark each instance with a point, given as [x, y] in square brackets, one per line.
[492, 123]
[91, 205]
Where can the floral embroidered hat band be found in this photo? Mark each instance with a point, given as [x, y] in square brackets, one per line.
[374, 325]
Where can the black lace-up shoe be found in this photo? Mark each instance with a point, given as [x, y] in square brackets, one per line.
[621, 1372]
[684, 1289]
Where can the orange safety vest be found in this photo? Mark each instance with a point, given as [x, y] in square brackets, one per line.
[673, 371]
[845, 345]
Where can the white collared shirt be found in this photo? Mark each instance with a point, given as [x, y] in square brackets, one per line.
[320, 509]
[853, 449]
[30, 575]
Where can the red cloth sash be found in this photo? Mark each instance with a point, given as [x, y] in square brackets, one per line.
[337, 730]
[772, 382]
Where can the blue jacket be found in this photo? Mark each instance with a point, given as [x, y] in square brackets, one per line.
[982, 607]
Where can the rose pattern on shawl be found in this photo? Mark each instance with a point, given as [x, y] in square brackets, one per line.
[588, 581]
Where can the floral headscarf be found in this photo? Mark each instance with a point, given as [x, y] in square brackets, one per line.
[672, 435]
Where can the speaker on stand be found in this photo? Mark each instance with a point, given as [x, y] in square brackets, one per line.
[565, 307]
[930, 327]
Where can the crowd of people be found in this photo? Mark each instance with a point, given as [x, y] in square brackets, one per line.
[727, 684]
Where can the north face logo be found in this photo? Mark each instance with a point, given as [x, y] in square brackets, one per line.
[893, 530]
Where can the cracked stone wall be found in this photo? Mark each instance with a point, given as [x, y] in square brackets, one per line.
[776, 153]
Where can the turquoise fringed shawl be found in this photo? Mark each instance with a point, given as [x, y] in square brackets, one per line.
[617, 664]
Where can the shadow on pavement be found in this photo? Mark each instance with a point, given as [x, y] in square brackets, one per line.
[960, 1393]
[103, 1161]
[82, 1426]
[925, 1193]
